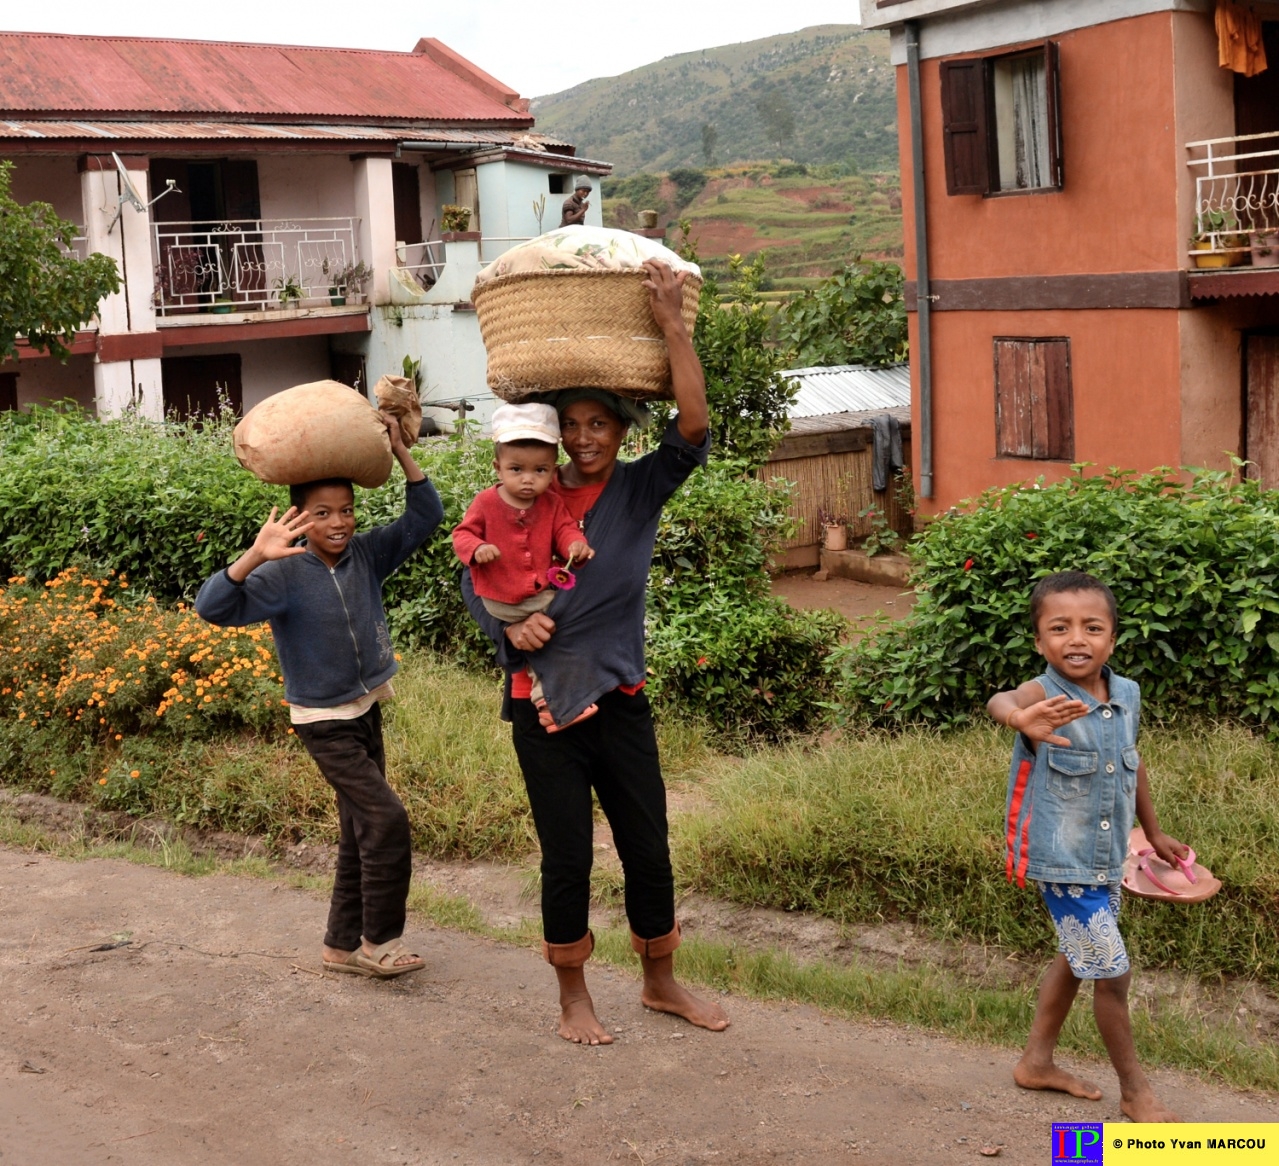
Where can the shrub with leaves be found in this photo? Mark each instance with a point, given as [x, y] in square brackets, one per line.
[168, 505]
[858, 316]
[1194, 566]
[165, 504]
[748, 398]
[46, 291]
[80, 651]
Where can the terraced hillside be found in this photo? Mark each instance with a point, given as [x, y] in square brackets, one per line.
[806, 222]
[821, 95]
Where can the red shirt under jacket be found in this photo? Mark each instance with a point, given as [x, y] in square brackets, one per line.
[528, 540]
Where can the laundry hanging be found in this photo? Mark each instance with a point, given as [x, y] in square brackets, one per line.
[1239, 43]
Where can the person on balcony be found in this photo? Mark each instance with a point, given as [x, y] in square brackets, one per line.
[575, 206]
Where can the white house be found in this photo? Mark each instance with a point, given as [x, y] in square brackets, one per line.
[234, 184]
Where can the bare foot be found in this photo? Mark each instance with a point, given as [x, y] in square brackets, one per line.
[1031, 1076]
[1144, 1107]
[663, 993]
[578, 1021]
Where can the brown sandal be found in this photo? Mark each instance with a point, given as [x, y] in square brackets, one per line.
[376, 964]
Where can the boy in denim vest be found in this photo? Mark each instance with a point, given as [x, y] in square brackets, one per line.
[1076, 782]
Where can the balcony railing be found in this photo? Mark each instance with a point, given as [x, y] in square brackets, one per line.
[424, 261]
[1236, 195]
[491, 246]
[251, 264]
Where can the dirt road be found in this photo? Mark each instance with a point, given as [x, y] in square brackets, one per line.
[201, 1042]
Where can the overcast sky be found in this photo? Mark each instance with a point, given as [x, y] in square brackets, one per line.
[520, 43]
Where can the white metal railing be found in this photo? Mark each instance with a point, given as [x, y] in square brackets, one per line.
[252, 264]
[79, 247]
[424, 261]
[1236, 207]
[491, 246]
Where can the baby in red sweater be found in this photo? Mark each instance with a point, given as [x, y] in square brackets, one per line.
[512, 531]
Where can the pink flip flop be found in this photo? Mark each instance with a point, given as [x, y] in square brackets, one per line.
[1147, 876]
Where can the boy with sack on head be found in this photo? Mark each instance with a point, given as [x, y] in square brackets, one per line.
[1075, 784]
[323, 601]
[511, 533]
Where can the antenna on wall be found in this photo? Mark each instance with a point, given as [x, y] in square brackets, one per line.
[129, 193]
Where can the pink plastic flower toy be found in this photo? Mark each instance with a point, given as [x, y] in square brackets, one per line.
[562, 578]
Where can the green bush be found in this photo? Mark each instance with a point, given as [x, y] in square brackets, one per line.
[719, 645]
[164, 504]
[857, 316]
[167, 505]
[1193, 566]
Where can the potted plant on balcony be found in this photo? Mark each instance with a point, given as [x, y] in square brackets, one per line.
[455, 218]
[288, 291]
[1224, 226]
[1264, 246]
[351, 280]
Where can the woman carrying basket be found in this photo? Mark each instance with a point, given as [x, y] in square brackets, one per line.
[588, 648]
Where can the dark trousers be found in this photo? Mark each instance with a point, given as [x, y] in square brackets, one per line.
[375, 856]
[615, 753]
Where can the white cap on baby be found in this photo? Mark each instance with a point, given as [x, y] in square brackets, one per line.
[526, 422]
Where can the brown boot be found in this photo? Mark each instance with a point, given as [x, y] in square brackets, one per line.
[569, 955]
[656, 949]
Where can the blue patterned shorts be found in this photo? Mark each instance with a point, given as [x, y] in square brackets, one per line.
[1087, 922]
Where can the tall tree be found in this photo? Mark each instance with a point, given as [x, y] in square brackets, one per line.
[46, 292]
[779, 116]
[710, 138]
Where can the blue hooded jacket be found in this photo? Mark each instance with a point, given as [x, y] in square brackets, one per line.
[328, 622]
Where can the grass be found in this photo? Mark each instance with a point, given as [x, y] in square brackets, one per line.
[906, 827]
[1168, 1034]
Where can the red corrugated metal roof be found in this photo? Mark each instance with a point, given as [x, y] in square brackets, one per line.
[52, 73]
[171, 129]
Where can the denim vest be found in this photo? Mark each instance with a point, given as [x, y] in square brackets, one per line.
[1069, 810]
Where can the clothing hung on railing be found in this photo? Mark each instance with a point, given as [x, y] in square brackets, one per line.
[1239, 40]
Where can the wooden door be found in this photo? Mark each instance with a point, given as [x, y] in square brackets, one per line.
[195, 385]
[1261, 387]
[408, 203]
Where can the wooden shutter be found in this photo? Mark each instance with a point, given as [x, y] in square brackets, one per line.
[240, 189]
[1052, 84]
[1262, 387]
[1034, 402]
[964, 119]
[1058, 442]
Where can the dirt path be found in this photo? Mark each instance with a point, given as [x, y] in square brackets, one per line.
[201, 1042]
[855, 601]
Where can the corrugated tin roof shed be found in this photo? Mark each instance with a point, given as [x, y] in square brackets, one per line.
[47, 73]
[850, 388]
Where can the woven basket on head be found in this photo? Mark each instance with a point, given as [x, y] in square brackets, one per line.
[549, 330]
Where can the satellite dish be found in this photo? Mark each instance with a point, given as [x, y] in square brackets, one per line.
[129, 193]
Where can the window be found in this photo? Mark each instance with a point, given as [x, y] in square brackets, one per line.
[557, 183]
[1034, 403]
[1001, 123]
[8, 391]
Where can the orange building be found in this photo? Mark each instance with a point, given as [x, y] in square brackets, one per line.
[1095, 201]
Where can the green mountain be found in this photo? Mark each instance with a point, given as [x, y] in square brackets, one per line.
[821, 95]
